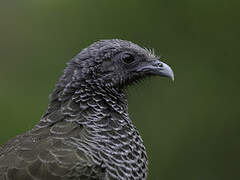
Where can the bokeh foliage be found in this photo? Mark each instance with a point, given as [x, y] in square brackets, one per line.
[191, 128]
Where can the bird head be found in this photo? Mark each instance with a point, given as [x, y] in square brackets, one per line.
[116, 63]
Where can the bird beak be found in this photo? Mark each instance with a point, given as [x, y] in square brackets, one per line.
[158, 68]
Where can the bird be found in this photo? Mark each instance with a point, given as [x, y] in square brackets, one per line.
[86, 132]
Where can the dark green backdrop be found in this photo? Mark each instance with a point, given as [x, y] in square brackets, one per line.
[191, 127]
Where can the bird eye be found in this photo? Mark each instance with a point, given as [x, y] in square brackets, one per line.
[128, 58]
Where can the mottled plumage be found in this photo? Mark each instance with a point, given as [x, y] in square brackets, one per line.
[86, 133]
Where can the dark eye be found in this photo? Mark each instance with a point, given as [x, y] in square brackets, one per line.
[128, 58]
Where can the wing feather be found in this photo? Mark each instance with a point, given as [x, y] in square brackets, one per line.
[44, 154]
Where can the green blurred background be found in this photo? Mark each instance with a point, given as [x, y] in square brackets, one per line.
[191, 128]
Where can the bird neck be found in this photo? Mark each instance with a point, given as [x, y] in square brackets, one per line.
[86, 101]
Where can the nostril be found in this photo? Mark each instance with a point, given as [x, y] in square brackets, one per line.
[160, 64]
